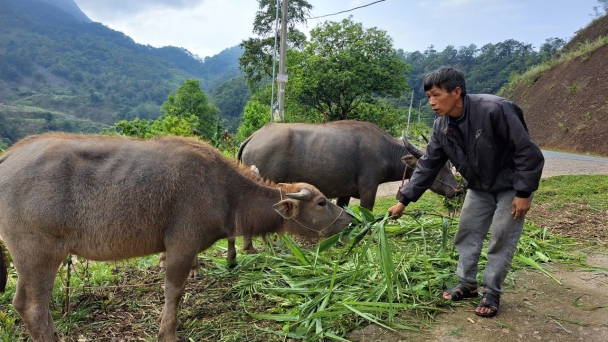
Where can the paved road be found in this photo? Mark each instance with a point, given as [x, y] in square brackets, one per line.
[560, 155]
[556, 163]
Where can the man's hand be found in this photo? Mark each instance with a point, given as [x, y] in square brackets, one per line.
[520, 207]
[397, 210]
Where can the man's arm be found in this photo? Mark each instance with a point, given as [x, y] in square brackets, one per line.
[528, 158]
[424, 175]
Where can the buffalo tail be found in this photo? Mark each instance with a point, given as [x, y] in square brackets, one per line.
[3, 271]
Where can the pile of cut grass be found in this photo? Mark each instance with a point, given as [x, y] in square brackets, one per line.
[393, 277]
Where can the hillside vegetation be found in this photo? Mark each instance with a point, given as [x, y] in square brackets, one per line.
[61, 73]
[566, 99]
[70, 68]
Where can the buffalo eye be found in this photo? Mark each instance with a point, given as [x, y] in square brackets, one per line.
[322, 202]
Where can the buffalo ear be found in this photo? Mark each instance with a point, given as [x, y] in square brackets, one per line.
[287, 208]
[410, 161]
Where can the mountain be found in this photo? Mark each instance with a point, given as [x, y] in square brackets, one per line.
[55, 61]
[71, 8]
[566, 100]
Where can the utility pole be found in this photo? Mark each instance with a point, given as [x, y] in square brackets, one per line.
[409, 114]
[274, 59]
[282, 76]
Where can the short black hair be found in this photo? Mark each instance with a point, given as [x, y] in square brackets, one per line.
[447, 78]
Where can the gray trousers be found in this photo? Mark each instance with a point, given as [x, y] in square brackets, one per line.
[480, 211]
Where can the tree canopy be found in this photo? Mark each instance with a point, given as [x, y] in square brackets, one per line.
[344, 66]
[190, 100]
[187, 112]
[487, 69]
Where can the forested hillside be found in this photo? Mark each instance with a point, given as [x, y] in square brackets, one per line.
[487, 69]
[59, 71]
[566, 99]
[75, 69]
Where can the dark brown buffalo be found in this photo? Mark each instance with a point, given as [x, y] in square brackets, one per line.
[109, 198]
[343, 159]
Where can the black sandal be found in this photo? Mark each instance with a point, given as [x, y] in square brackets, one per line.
[491, 302]
[460, 292]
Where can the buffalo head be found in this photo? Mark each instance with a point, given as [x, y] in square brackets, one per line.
[445, 184]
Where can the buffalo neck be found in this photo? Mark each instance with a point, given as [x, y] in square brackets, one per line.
[256, 215]
[396, 168]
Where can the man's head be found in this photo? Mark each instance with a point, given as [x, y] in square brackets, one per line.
[446, 78]
[445, 89]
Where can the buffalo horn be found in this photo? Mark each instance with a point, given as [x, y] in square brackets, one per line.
[303, 195]
[411, 148]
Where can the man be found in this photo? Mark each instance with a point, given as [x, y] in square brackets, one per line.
[487, 140]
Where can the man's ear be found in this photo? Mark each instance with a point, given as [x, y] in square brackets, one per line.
[457, 92]
[287, 208]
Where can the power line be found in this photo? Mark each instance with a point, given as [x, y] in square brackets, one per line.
[352, 9]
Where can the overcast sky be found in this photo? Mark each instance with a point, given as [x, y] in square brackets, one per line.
[206, 27]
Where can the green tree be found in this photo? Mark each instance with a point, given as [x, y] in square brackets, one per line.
[255, 115]
[344, 66]
[164, 125]
[230, 97]
[257, 59]
[550, 48]
[190, 100]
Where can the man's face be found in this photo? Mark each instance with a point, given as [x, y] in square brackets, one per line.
[444, 102]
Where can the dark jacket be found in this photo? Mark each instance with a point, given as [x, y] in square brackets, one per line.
[489, 146]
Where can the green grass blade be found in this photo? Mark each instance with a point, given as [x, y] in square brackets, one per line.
[527, 261]
[295, 249]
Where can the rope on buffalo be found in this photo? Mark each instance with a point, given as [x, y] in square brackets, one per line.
[402, 181]
[319, 232]
[437, 179]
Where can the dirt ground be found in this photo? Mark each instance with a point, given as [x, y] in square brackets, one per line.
[534, 307]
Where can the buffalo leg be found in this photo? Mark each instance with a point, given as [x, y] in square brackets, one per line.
[368, 197]
[343, 201]
[179, 265]
[37, 271]
[162, 263]
[231, 254]
[248, 244]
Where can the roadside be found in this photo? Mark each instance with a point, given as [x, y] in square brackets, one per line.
[534, 306]
[554, 166]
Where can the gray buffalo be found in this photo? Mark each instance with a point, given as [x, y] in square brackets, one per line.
[343, 159]
[109, 198]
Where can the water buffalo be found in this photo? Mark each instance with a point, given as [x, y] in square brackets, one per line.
[110, 198]
[343, 159]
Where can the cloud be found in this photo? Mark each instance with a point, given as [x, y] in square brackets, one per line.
[205, 28]
[107, 9]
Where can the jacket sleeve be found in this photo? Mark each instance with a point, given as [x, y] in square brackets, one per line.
[527, 158]
[427, 169]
